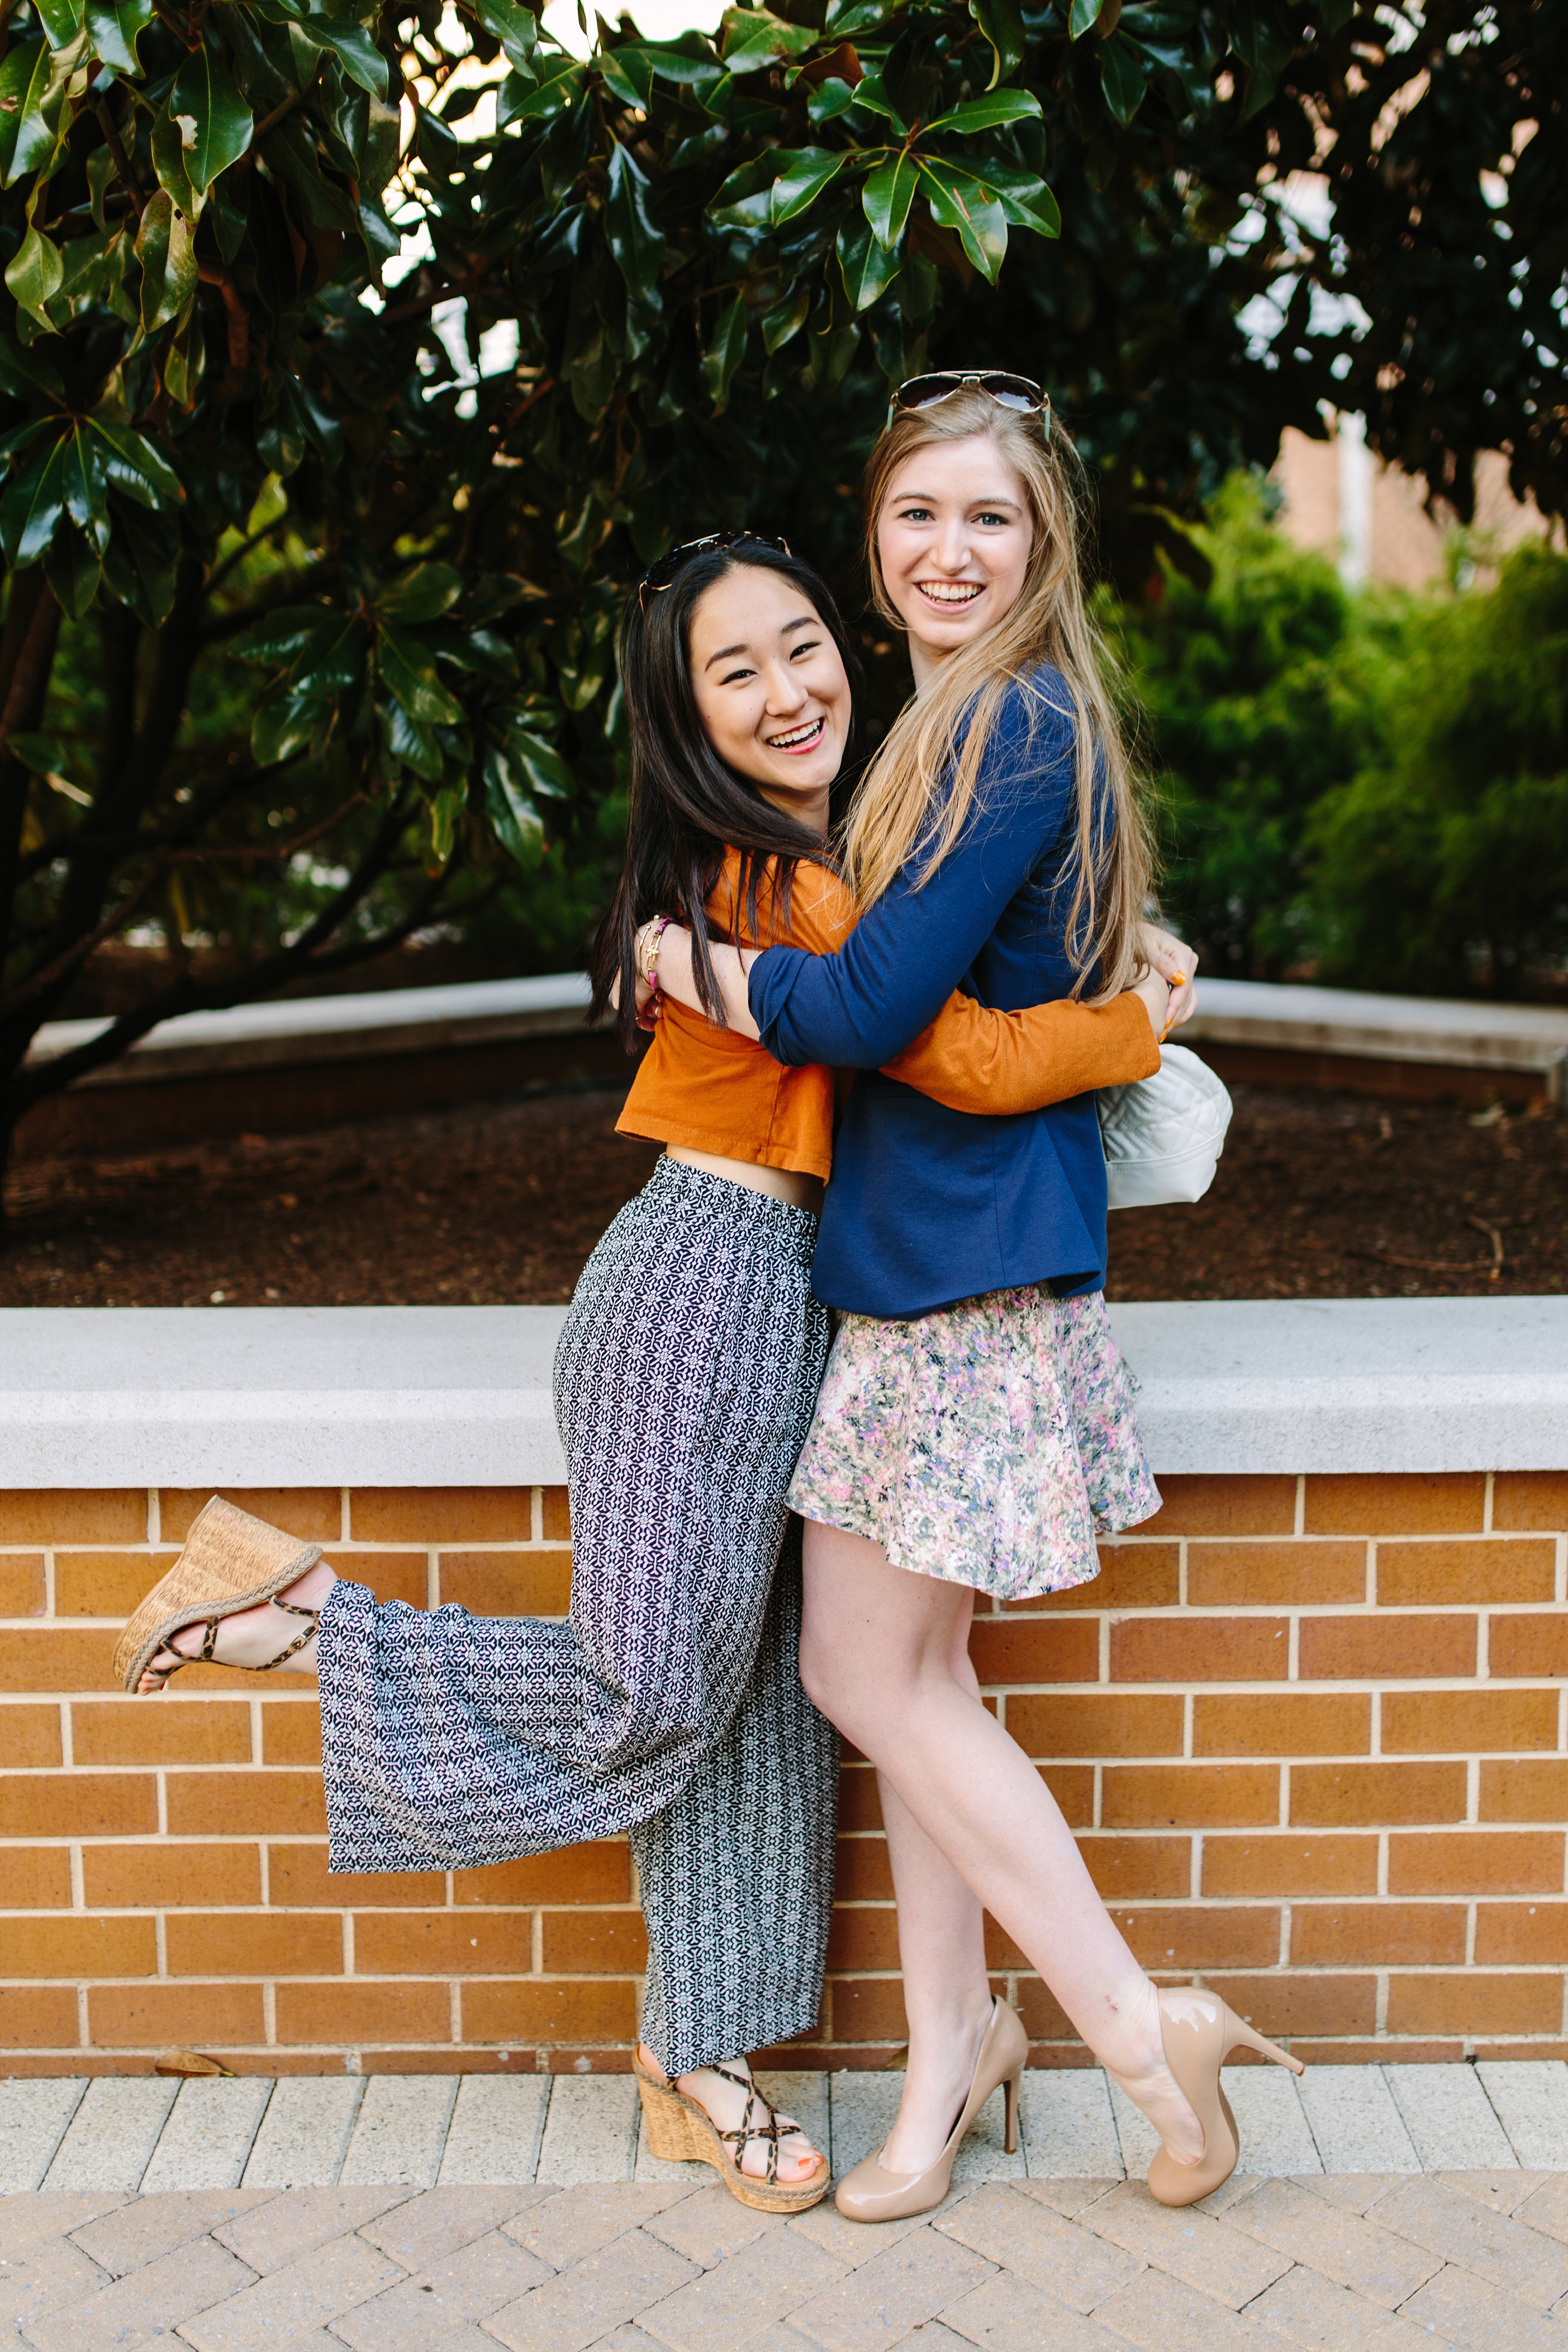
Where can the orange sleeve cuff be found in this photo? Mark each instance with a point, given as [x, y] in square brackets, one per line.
[974, 1059]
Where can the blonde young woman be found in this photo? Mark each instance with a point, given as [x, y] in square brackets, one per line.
[975, 1429]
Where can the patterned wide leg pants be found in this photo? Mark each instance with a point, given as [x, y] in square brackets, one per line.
[669, 1704]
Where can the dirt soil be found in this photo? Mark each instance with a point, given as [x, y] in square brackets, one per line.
[1318, 1196]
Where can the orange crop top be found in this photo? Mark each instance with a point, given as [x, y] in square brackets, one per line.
[707, 1090]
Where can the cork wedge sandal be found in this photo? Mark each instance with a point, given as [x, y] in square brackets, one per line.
[679, 2130]
[231, 1561]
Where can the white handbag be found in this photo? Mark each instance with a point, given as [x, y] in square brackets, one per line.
[1163, 1135]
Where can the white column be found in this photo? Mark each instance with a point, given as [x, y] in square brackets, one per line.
[1355, 501]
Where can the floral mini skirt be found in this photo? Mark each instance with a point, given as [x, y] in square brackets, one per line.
[987, 1444]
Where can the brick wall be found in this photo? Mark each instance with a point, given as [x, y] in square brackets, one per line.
[1311, 1730]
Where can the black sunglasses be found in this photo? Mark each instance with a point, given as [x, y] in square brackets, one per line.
[1019, 393]
[660, 575]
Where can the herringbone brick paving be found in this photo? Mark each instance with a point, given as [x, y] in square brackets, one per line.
[1387, 2209]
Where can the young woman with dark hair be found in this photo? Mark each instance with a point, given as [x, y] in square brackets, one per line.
[669, 1706]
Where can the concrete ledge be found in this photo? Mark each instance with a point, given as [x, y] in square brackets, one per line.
[454, 1396]
[1456, 1033]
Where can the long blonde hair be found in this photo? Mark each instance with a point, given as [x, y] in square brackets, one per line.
[918, 792]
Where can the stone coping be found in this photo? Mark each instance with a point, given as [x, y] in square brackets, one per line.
[455, 1396]
[301, 1030]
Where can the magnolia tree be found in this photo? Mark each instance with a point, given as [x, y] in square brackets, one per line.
[355, 362]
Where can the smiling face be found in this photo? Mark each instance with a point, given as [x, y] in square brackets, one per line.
[771, 689]
[953, 538]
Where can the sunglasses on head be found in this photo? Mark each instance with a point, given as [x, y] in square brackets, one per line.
[1019, 393]
[661, 575]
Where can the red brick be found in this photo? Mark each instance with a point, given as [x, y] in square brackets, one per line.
[336, 2014]
[1484, 1570]
[80, 1947]
[1370, 1796]
[1190, 1796]
[859, 1804]
[170, 1731]
[1476, 1862]
[22, 1584]
[1035, 1650]
[1225, 1507]
[1463, 1722]
[1386, 1649]
[1072, 1786]
[79, 1804]
[105, 1583]
[298, 1874]
[73, 1515]
[441, 1943]
[1044, 2018]
[866, 1938]
[863, 1873]
[1272, 1724]
[601, 1873]
[1526, 1790]
[1530, 1498]
[1376, 1935]
[194, 2016]
[557, 1508]
[280, 1805]
[1289, 1866]
[1135, 1869]
[35, 1878]
[314, 1514]
[31, 1736]
[160, 1877]
[1200, 1650]
[1525, 1934]
[1226, 1936]
[390, 1575]
[868, 2009]
[56, 1658]
[508, 1583]
[1132, 1576]
[39, 2017]
[441, 1514]
[1534, 1643]
[1228, 1575]
[220, 1945]
[600, 2009]
[1286, 2004]
[1467, 2003]
[1440, 1503]
[291, 1732]
[1101, 1726]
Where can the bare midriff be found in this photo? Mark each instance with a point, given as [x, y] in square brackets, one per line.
[791, 1184]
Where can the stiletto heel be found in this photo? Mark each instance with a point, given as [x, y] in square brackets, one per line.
[1199, 2032]
[869, 2194]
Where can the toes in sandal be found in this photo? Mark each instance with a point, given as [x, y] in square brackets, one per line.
[681, 2130]
[231, 1561]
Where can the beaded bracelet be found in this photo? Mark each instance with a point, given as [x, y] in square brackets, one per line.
[646, 950]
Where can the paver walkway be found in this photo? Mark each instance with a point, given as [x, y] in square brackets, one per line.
[1385, 2209]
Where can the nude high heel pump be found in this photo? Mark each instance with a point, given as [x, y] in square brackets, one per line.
[869, 2194]
[1199, 2032]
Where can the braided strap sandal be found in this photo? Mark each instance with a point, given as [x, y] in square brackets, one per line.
[681, 2131]
[231, 1561]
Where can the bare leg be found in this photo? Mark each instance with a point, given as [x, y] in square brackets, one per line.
[255, 1635]
[876, 1656]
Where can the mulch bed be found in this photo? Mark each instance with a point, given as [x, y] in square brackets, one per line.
[1318, 1196]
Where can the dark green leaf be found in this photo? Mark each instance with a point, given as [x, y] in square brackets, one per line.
[887, 197]
[632, 69]
[355, 52]
[214, 122]
[287, 722]
[33, 274]
[750, 37]
[165, 246]
[636, 244]
[746, 198]
[1084, 14]
[25, 373]
[1122, 77]
[1001, 23]
[960, 201]
[139, 569]
[860, 16]
[73, 570]
[277, 639]
[411, 744]
[408, 672]
[422, 594]
[1003, 105]
[135, 465]
[1024, 198]
[803, 173]
[85, 491]
[33, 503]
[332, 658]
[114, 28]
[512, 26]
[61, 20]
[870, 94]
[562, 81]
[785, 318]
[26, 133]
[724, 353]
[829, 99]
[509, 802]
[867, 266]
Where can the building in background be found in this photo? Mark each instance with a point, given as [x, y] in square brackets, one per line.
[1339, 495]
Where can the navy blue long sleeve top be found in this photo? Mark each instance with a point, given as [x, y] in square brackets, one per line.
[928, 1206]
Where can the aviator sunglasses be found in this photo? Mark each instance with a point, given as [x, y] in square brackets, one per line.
[1019, 393]
[660, 575]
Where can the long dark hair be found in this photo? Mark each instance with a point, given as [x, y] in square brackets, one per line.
[688, 806]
